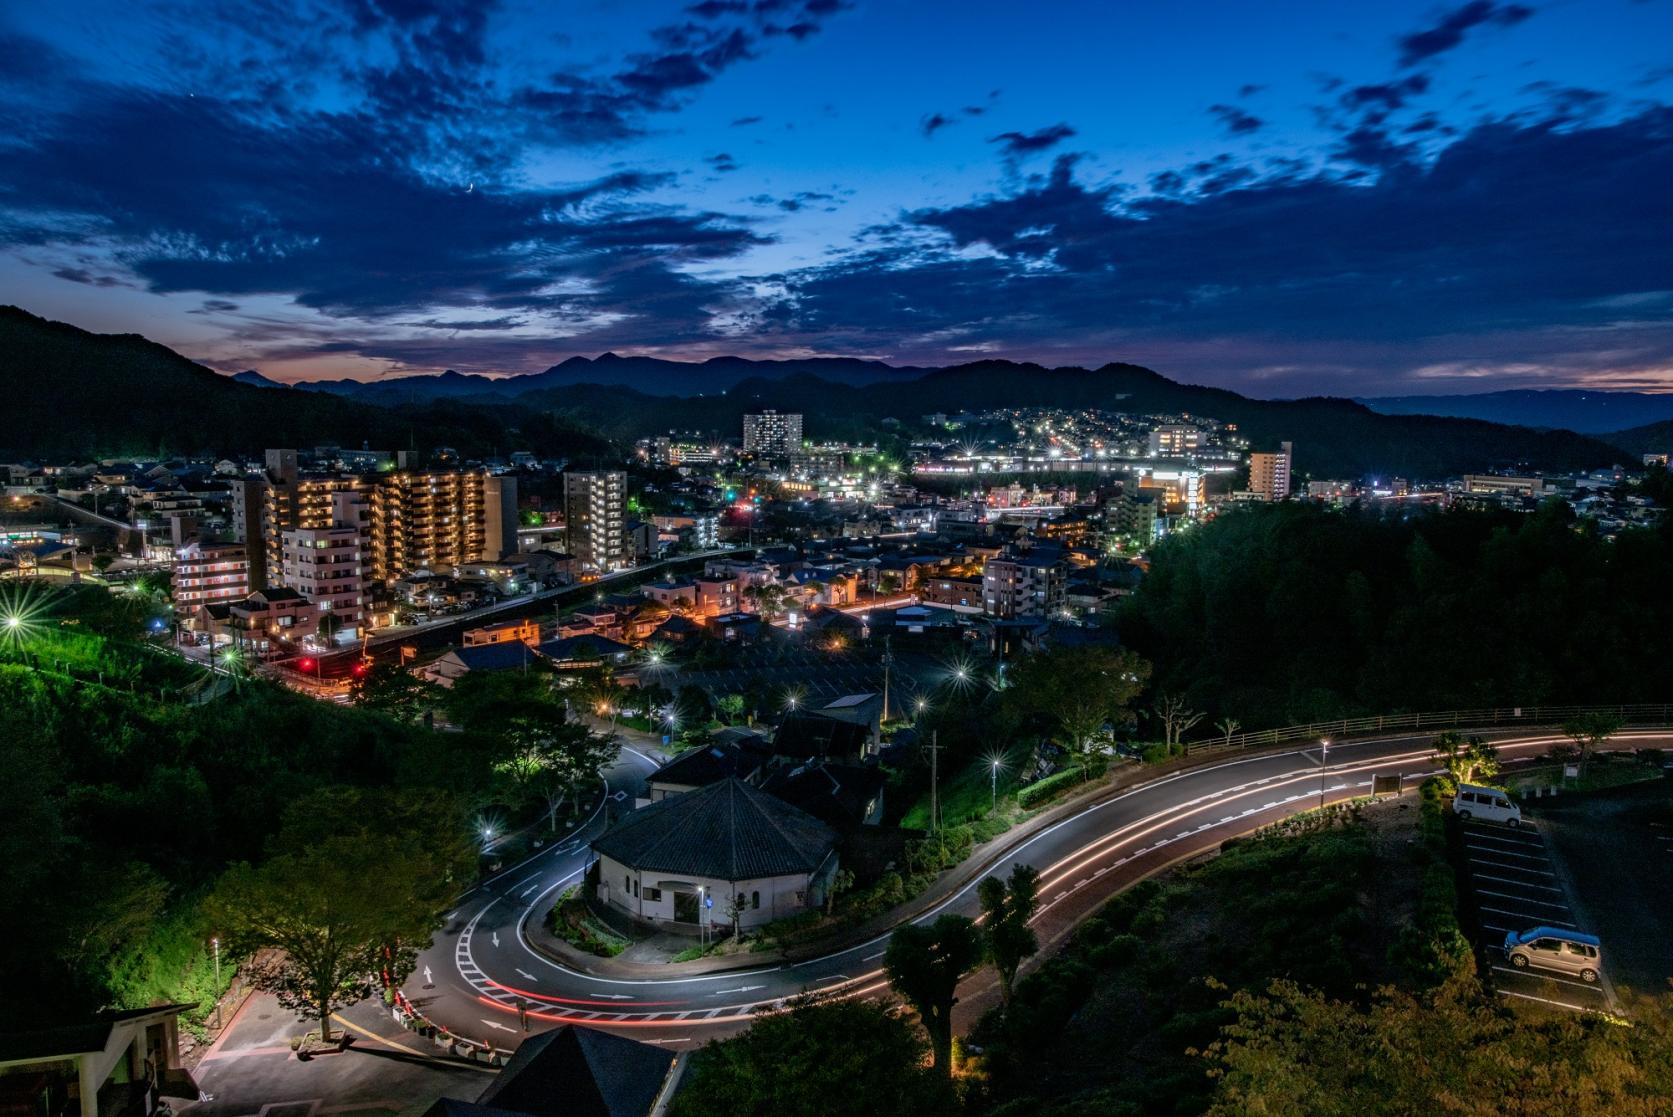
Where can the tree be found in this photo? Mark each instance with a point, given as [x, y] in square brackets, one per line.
[555, 759]
[1176, 717]
[1590, 730]
[492, 702]
[730, 707]
[1229, 727]
[839, 1058]
[1077, 691]
[924, 964]
[1007, 908]
[1467, 760]
[356, 885]
[388, 686]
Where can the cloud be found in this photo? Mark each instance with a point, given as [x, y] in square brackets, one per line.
[933, 123]
[1454, 25]
[1517, 240]
[82, 275]
[745, 121]
[1019, 144]
[216, 306]
[1236, 121]
[1249, 90]
[1388, 96]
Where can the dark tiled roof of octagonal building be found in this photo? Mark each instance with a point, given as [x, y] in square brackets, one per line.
[725, 831]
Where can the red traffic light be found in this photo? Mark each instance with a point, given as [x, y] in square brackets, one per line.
[306, 665]
[359, 670]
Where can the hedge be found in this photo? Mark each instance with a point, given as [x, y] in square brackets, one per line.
[1058, 782]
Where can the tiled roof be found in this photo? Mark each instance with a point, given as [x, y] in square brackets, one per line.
[725, 831]
[580, 1072]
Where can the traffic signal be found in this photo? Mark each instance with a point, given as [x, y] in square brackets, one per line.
[306, 665]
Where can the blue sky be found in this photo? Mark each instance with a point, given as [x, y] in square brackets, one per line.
[1282, 198]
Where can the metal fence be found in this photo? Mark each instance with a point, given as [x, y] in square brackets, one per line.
[1642, 714]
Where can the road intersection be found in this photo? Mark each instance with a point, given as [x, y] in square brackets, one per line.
[487, 971]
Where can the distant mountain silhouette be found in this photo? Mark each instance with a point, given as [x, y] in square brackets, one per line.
[256, 380]
[1551, 409]
[654, 376]
[1652, 438]
[71, 394]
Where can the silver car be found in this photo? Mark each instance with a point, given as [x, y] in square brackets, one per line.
[1548, 948]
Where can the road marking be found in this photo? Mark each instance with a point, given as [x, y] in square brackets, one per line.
[524, 894]
[1542, 1000]
[740, 989]
[611, 996]
[1513, 868]
[1518, 883]
[1521, 899]
[831, 977]
[1508, 853]
[495, 1024]
[527, 976]
[496, 938]
[1549, 922]
[872, 957]
[1547, 975]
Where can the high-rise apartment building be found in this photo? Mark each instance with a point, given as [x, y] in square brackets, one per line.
[209, 573]
[1176, 440]
[772, 433]
[327, 565]
[595, 519]
[414, 519]
[1269, 474]
[426, 520]
[1032, 583]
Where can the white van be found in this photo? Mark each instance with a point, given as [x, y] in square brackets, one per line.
[1486, 803]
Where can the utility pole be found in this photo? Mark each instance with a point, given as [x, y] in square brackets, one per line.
[934, 781]
[888, 661]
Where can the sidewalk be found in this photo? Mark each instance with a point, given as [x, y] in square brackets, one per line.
[250, 1069]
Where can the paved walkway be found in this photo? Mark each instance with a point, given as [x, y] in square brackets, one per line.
[251, 1072]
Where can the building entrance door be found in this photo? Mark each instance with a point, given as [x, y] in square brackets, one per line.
[685, 907]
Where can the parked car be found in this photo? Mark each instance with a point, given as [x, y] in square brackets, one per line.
[1486, 803]
[1548, 948]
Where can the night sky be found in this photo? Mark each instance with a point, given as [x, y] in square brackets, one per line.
[1283, 198]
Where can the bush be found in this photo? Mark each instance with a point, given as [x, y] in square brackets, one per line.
[1058, 783]
[570, 920]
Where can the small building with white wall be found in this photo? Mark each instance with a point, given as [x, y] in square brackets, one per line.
[722, 854]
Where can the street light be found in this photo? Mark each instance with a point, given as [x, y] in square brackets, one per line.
[216, 943]
[1324, 752]
[996, 767]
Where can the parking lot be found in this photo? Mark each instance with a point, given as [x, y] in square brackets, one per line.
[1513, 885]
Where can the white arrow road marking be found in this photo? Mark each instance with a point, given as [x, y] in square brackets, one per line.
[527, 976]
[613, 996]
[496, 938]
[427, 979]
[740, 989]
[493, 1024]
[527, 890]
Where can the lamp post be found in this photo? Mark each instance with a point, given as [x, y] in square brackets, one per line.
[1324, 753]
[216, 943]
[995, 783]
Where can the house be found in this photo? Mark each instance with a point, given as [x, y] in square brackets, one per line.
[572, 653]
[744, 760]
[575, 1072]
[839, 795]
[807, 736]
[513, 655]
[503, 633]
[119, 1064]
[676, 630]
[722, 855]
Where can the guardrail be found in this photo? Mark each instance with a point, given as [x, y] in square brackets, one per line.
[1490, 717]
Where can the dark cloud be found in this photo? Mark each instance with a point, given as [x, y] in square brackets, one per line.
[1236, 121]
[933, 123]
[82, 275]
[1019, 144]
[216, 306]
[722, 162]
[1249, 90]
[1388, 96]
[1518, 242]
[505, 323]
[745, 121]
[1450, 31]
[714, 9]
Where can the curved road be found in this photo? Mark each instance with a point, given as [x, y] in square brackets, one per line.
[481, 964]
